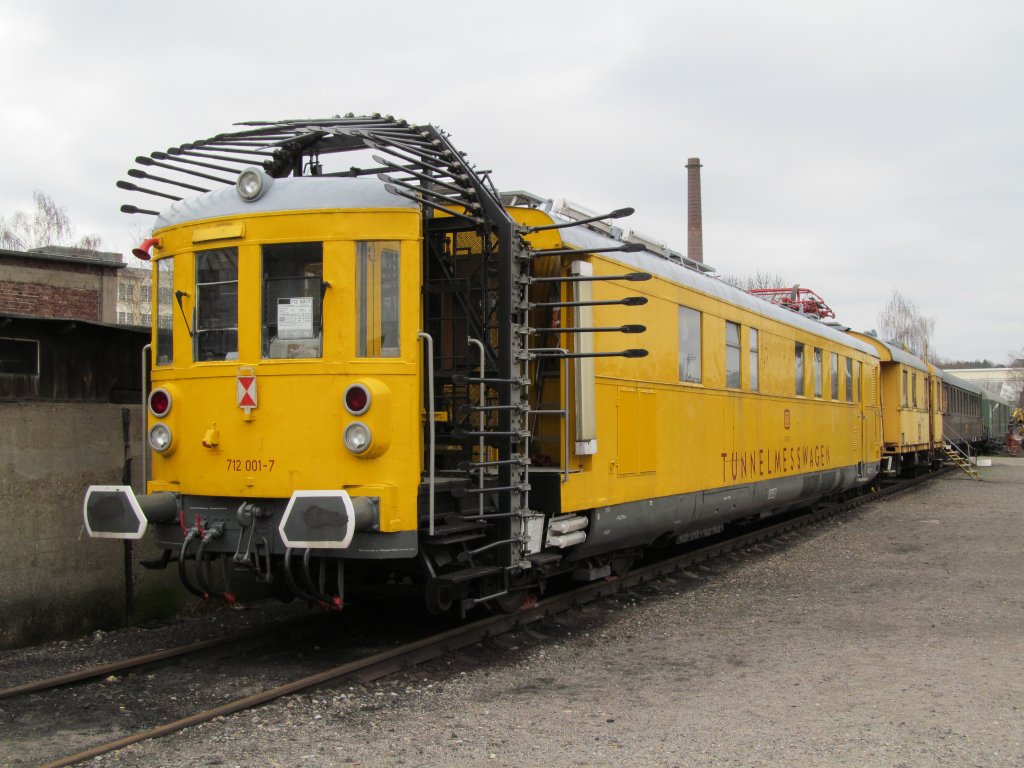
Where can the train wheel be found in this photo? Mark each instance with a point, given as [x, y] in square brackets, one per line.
[622, 565]
[439, 598]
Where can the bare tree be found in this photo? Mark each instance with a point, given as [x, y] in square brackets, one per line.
[48, 224]
[757, 280]
[901, 321]
[1016, 365]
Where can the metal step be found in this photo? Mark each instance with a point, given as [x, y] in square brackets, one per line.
[468, 574]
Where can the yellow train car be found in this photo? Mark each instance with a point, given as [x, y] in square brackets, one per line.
[741, 409]
[911, 408]
[390, 372]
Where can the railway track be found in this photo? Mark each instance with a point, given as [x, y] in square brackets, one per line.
[380, 664]
[250, 638]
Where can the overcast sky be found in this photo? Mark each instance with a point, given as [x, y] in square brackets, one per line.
[852, 147]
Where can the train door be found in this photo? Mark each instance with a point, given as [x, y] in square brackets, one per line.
[862, 458]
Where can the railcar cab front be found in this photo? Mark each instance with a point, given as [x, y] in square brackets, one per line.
[285, 364]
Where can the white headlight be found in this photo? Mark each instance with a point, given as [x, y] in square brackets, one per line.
[253, 183]
[160, 438]
[357, 437]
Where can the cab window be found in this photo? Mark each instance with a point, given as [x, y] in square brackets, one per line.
[377, 299]
[216, 327]
[165, 311]
[292, 300]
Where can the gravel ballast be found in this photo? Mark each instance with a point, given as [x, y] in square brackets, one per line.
[890, 636]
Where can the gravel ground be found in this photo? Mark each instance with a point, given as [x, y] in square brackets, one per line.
[891, 636]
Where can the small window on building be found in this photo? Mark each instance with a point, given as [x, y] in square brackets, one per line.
[216, 324]
[913, 388]
[292, 300]
[377, 299]
[817, 373]
[753, 360]
[799, 368]
[732, 355]
[833, 372]
[165, 311]
[689, 345]
[144, 295]
[19, 357]
[849, 380]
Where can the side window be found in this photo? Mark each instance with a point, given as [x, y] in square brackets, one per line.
[753, 359]
[860, 379]
[216, 328]
[817, 372]
[165, 311]
[292, 300]
[732, 355]
[799, 368]
[849, 380]
[377, 300]
[689, 345]
[906, 400]
[19, 357]
[913, 388]
[834, 375]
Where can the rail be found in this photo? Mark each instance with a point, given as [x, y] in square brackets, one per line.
[954, 440]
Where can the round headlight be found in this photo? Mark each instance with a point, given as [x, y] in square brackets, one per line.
[357, 399]
[159, 402]
[252, 184]
[357, 437]
[160, 438]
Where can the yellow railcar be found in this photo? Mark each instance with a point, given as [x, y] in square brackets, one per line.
[911, 408]
[390, 371]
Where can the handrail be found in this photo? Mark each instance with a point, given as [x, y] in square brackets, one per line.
[145, 420]
[952, 441]
[430, 415]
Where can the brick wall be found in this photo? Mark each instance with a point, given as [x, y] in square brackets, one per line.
[55, 286]
[47, 300]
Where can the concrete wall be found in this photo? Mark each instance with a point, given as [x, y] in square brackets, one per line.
[54, 580]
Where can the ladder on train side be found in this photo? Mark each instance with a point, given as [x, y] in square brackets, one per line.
[961, 459]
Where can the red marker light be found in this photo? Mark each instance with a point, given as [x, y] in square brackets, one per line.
[357, 399]
[159, 402]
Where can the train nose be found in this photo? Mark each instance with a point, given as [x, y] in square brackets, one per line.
[115, 512]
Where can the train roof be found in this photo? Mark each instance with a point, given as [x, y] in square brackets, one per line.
[890, 351]
[585, 239]
[956, 381]
[994, 397]
[285, 194]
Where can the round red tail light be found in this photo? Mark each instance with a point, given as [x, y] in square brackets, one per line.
[357, 399]
[159, 402]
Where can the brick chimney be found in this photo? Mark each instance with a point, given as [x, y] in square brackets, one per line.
[695, 237]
